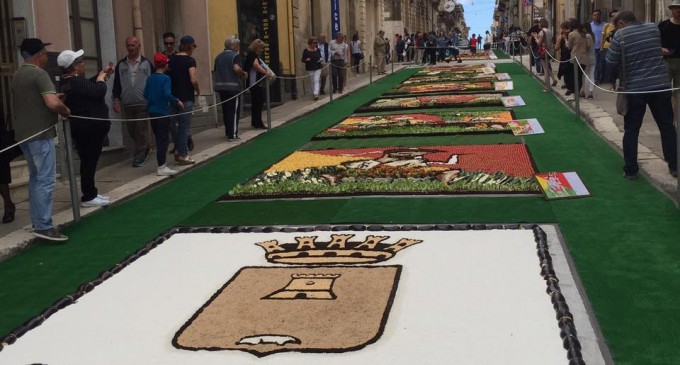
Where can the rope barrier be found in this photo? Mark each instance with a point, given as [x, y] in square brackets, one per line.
[26, 139]
[574, 58]
[215, 105]
[300, 77]
[622, 92]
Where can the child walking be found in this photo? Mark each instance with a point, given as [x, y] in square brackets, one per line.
[158, 95]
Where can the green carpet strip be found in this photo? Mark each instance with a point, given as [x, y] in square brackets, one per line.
[623, 239]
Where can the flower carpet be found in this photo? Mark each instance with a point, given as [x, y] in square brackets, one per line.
[437, 87]
[123, 314]
[455, 70]
[444, 121]
[504, 168]
[479, 55]
[432, 101]
[466, 76]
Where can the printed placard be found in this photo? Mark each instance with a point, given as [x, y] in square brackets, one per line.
[561, 185]
[503, 76]
[511, 101]
[524, 127]
[504, 86]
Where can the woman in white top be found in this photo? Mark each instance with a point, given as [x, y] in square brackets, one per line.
[488, 40]
[591, 62]
[545, 44]
[357, 53]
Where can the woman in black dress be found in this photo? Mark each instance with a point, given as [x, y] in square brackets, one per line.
[257, 70]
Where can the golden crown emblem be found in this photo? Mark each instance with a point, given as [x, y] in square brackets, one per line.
[339, 250]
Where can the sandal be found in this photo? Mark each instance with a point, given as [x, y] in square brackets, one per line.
[554, 83]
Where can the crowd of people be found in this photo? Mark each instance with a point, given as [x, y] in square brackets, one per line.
[151, 94]
[641, 61]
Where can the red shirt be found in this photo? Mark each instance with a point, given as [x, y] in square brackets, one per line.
[473, 42]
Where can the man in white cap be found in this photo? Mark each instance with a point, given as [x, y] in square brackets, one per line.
[670, 45]
[36, 106]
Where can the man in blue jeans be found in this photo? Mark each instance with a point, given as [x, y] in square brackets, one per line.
[36, 106]
[644, 72]
[597, 25]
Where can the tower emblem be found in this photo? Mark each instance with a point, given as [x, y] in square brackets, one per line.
[332, 296]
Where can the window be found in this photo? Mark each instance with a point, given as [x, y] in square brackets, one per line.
[393, 10]
[85, 33]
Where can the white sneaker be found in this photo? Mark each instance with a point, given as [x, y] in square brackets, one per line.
[96, 202]
[102, 197]
[164, 170]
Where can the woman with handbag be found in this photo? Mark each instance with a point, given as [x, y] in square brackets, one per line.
[311, 57]
[6, 140]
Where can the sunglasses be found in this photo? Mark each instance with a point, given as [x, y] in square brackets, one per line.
[169, 43]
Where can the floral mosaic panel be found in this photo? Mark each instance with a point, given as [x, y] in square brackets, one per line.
[432, 101]
[424, 123]
[453, 69]
[468, 76]
[502, 168]
[436, 87]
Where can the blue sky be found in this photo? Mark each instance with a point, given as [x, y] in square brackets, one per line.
[478, 14]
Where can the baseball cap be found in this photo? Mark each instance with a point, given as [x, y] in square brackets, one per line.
[674, 3]
[32, 46]
[187, 39]
[160, 59]
[66, 58]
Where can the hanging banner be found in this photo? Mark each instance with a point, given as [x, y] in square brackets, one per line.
[335, 17]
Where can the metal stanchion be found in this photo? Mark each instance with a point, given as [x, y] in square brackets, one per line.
[370, 70]
[269, 104]
[330, 82]
[393, 59]
[73, 184]
[215, 114]
[677, 132]
[577, 90]
[521, 51]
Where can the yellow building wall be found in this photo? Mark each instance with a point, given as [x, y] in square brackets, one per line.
[286, 36]
[222, 22]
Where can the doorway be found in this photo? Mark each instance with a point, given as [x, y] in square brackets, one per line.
[7, 56]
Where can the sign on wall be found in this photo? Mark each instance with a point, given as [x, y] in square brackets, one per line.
[259, 20]
[335, 17]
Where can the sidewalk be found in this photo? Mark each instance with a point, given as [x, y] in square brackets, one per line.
[600, 113]
[121, 181]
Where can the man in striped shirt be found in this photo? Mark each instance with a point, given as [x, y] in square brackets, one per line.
[645, 77]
